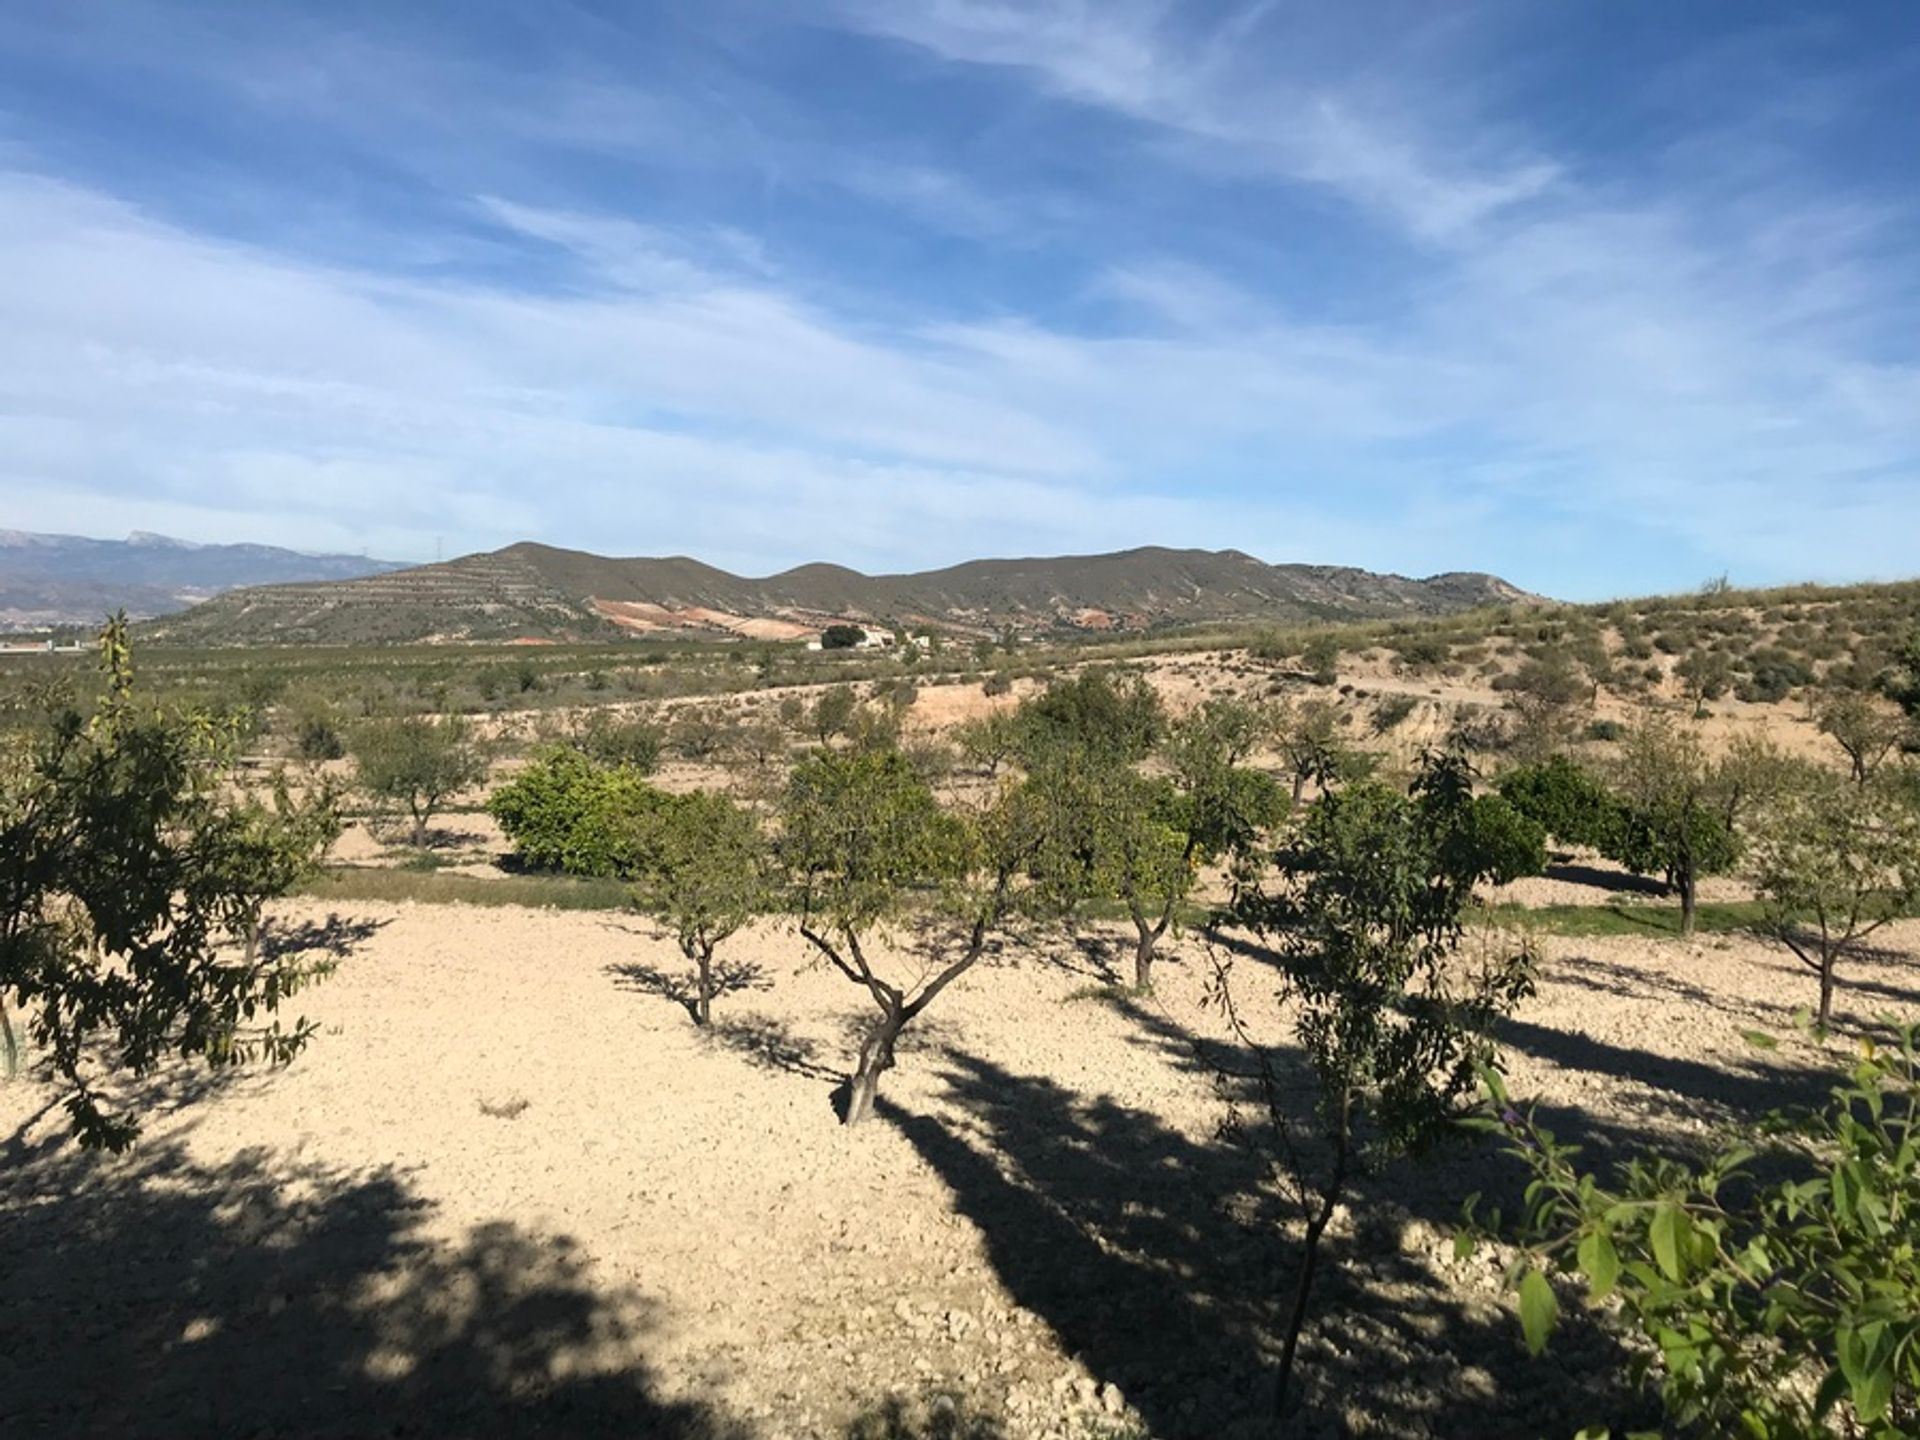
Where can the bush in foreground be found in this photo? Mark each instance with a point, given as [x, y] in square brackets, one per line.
[1776, 1284]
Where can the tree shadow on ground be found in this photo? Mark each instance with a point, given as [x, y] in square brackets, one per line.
[1610, 977]
[730, 977]
[1620, 882]
[334, 938]
[1160, 1261]
[158, 1296]
[771, 1045]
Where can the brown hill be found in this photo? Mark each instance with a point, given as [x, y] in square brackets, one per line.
[539, 591]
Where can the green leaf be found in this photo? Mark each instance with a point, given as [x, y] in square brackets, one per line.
[1599, 1262]
[1538, 1309]
[1463, 1245]
[1665, 1233]
[1760, 1039]
[1866, 1359]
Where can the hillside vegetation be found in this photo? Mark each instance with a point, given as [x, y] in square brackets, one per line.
[539, 592]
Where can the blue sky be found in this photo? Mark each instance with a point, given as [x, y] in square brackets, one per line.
[1606, 298]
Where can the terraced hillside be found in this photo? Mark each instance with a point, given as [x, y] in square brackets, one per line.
[539, 592]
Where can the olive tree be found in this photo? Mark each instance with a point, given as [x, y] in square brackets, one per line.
[705, 873]
[866, 848]
[418, 763]
[1835, 862]
[1360, 918]
[131, 883]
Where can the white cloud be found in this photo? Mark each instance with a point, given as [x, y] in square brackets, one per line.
[1724, 372]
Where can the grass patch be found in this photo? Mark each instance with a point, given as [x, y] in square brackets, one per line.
[1590, 921]
[542, 892]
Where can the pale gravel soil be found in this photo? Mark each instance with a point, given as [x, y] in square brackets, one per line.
[655, 1228]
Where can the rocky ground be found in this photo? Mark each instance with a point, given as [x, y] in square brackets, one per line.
[512, 1189]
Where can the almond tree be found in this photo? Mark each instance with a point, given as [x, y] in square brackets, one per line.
[1361, 922]
[418, 763]
[1835, 862]
[1861, 728]
[706, 875]
[1671, 818]
[1113, 833]
[867, 849]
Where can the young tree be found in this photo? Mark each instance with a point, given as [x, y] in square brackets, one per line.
[1863, 729]
[1113, 719]
[988, 741]
[832, 712]
[127, 877]
[864, 846]
[418, 763]
[1772, 1300]
[1364, 928]
[1669, 819]
[705, 874]
[1307, 735]
[1835, 862]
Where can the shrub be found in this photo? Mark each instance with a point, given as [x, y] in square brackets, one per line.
[1392, 711]
[1321, 659]
[564, 812]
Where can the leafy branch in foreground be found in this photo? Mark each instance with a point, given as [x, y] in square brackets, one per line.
[1776, 1283]
[129, 878]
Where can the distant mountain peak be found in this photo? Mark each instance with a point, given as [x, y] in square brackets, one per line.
[54, 580]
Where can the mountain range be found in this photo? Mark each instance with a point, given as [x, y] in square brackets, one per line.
[53, 580]
[537, 592]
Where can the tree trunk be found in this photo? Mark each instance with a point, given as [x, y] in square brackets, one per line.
[1143, 960]
[1302, 1292]
[419, 830]
[1826, 989]
[1299, 786]
[876, 1058]
[13, 1045]
[703, 999]
[1689, 889]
